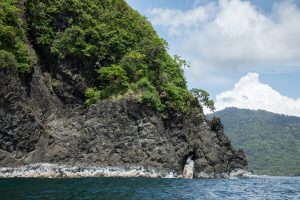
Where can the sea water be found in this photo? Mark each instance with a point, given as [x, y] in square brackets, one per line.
[263, 187]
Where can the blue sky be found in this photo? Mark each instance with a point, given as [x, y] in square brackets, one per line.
[143, 5]
[226, 40]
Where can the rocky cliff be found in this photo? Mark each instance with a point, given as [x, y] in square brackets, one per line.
[36, 127]
[43, 119]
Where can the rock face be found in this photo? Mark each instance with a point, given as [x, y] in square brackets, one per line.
[42, 120]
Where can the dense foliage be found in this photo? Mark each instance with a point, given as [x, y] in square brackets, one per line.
[271, 141]
[14, 51]
[110, 39]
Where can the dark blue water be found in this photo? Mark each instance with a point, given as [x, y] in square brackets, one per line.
[140, 188]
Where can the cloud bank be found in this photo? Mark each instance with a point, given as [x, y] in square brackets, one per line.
[234, 35]
[250, 93]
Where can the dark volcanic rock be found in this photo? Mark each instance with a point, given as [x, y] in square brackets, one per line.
[37, 125]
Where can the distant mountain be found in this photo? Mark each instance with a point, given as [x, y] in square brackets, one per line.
[271, 141]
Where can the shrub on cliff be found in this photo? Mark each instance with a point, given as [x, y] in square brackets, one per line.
[113, 80]
[7, 60]
[135, 66]
[149, 94]
[92, 96]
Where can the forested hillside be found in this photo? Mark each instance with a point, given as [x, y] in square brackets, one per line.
[271, 141]
[115, 49]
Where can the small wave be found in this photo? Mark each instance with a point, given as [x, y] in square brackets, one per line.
[46, 170]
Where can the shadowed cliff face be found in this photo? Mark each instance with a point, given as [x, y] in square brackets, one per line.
[36, 126]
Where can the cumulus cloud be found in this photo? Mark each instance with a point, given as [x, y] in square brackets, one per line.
[250, 93]
[179, 21]
[234, 35]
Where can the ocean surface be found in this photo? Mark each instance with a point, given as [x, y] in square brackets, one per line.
[264, 187]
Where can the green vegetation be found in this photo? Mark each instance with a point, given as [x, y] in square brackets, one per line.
[271, 141]
[93, 95]
[109, 37]
[113, 80]
[149, 93]
[14, 51]
[204, 99]
[114, 49]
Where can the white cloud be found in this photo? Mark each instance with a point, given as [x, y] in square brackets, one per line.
[234, 35]
[179, 21]
[250, 93]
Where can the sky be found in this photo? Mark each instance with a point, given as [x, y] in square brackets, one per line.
[246, 54]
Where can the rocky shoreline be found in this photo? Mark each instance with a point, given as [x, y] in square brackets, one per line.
[46, 170]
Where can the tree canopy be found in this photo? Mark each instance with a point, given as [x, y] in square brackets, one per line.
[113, 47]
[204, 98]
[271, 141]
[116, 41]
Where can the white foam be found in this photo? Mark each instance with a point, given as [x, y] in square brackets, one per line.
[46, 170]
[232, 174]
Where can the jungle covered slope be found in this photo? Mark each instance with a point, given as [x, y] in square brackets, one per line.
[115, 49]
[271, 141]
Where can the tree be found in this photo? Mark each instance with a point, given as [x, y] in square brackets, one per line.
[182, 63]
[204, 99]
